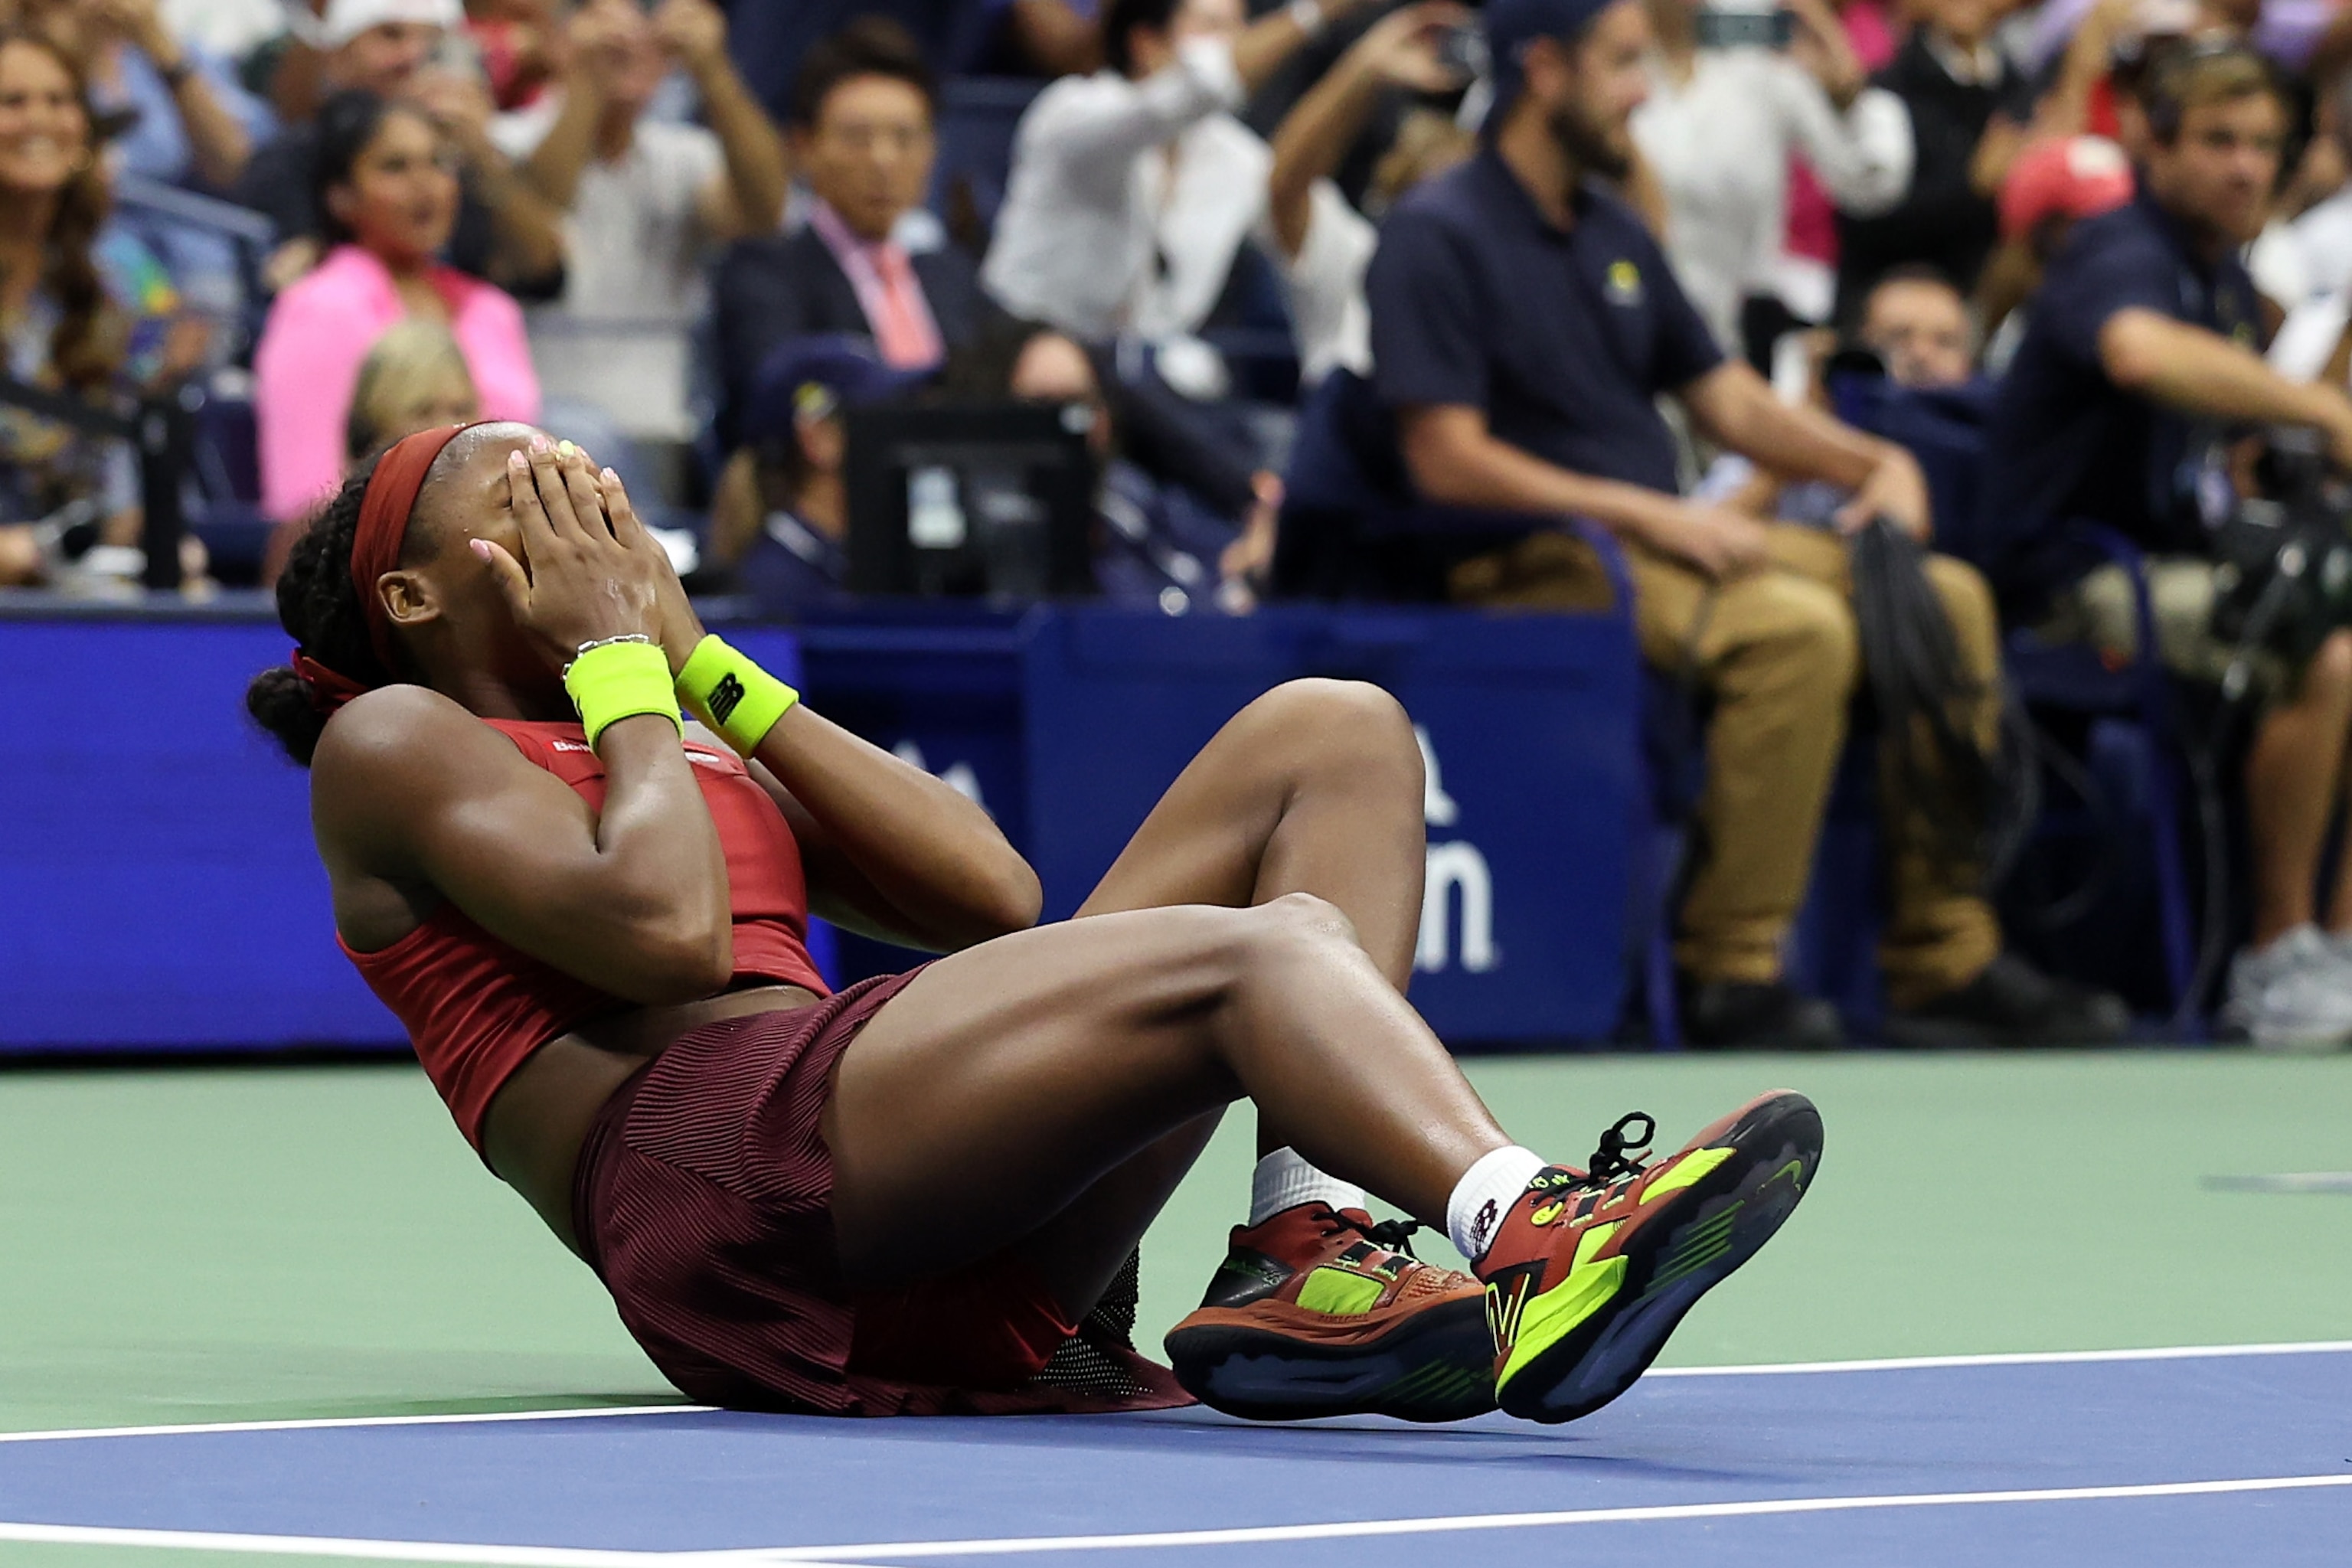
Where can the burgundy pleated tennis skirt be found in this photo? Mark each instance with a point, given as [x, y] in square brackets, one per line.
[702, 1200]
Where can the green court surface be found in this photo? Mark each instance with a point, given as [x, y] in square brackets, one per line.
[237, 1243]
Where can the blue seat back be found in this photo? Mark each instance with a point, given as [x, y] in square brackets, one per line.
[1944, 428]
[1353, 527]
[978, 118]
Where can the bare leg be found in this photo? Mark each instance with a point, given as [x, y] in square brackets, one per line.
[2340, 903]
[1315, 787]
[20, 557]
[1008, 1079]
[2292, 783]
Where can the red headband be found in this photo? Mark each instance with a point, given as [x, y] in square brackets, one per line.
[384, 523]
[390, 497]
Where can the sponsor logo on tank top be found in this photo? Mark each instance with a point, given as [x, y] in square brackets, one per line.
[701, 756]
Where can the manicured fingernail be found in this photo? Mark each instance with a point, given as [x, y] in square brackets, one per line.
[480, 547]
[517, 460]
[565, 448]
[540, 444]
[609, 477]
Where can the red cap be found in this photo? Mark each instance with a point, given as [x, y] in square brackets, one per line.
[2076, 177]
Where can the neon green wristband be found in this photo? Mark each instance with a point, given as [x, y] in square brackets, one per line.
[732, 695]
[611, 681]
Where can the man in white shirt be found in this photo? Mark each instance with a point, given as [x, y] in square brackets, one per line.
[644, 200]
[2312, 343]
[1133, 189]
[1325, 244]
[2324, 233]
[1718, 128]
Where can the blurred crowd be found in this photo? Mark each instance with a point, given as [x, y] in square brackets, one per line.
[1541, 260]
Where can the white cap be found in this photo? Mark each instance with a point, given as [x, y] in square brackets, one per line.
[347, 19]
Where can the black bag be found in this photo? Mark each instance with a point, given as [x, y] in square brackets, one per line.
[1911, 671]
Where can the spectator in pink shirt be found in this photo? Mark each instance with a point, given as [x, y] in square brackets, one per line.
[388, 188]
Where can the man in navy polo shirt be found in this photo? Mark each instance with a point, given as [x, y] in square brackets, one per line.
[1524, 322]
[2139, 367]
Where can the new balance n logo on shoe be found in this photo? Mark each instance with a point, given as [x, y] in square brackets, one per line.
[1506, 1302]
[725, 697]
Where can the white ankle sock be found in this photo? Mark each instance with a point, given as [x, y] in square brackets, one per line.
[1475, 1213]
[1285, 1181]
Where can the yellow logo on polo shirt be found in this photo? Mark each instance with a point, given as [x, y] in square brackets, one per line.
[1624, 285]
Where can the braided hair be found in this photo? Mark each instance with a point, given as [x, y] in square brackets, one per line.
[320, 610]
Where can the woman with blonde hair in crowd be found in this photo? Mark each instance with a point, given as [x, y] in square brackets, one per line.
[84, 311]
[388, 187]
[415, 378]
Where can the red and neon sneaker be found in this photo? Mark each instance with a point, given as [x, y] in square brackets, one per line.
[1318, 1312]
[1592, 1269]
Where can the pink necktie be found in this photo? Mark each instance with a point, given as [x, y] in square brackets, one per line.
[903, 327]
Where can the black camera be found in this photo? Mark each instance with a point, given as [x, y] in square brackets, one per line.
[2283, 580]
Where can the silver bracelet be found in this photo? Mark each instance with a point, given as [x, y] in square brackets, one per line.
[582, 651]
[1307, 16]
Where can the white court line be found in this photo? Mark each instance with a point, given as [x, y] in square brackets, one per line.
[2006, 1358]
[364, 1549]
[1762, 1369]
[1273, 1534]
[321, 1423]
[329, 1546]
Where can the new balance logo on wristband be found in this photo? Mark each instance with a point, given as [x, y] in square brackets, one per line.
[724, 698]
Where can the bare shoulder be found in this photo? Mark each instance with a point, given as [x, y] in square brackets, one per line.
[399, 750]
[391, 726]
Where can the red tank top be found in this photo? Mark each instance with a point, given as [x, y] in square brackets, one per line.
[475, 1008]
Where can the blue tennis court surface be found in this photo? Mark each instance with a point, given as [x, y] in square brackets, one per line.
[2205, 1456]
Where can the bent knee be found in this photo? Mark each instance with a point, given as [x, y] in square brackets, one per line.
[1804, 627]
[1967, 597]
[2329, 674]
[1281, 929]
[1356, 712]
[1351, 726]
[1968, 602]
[1305, 915]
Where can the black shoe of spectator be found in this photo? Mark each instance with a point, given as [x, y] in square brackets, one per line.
[2011, 1004]
[1740, 1016]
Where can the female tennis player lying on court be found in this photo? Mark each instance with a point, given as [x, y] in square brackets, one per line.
[910, 1195]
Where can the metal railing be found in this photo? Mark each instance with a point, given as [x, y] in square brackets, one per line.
[161, 428]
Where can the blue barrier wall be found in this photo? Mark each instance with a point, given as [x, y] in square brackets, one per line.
[159, 883]
[158, 888]
[161, 890]
[1069, 723]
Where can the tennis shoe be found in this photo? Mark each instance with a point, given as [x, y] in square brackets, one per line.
[2296, 992]
[1318, 1312]
[1591, 1269]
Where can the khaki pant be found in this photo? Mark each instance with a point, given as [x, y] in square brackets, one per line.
[2102, 610]
[1777, 650]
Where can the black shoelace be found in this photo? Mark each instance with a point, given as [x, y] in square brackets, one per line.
[1396, 1235]
[1623, 1152]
